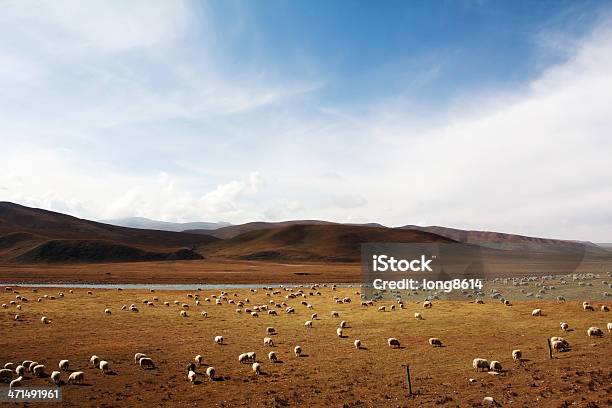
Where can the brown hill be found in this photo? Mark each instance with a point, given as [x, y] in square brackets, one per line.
[235, 230]
[36, 235]
[327, 242]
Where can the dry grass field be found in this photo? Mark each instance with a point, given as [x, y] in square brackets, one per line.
[332, 372]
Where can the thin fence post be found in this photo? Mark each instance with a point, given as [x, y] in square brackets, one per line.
[550, 355]
[408, 379]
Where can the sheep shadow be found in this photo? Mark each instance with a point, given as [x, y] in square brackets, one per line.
[304, 355]
[112, 372]
[197, 382]
[278, 362]
[362, 348]
[343, 336]
[216, 379]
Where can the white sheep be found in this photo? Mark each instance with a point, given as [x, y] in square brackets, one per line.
[272, 357]
[251, 356]
[393, 342]
[536, 312]
[594, 332]
[479, 363]
[243, 358]
[495, 366]
[270, 330]
[56, 377]
[183, 313]
[204, 314]
[16, 382]
[31, 366]
[436, 342]
[198, 359]
[605, 308]
[64, 364]
[38, 370]
[45, 320]
[357, 344]
[339, 332]
[257, 368]
[107, 311]
[94, 360]
[192, 376]
[517, 355]
[104, 366]
[146, 362]
[20, 370]
[343, 324]
[308, 323]
[268, 341]
[219, 339]
[255, 314]
[313, 316]
[564, 326]
[335, 314]
[609, 327]
[76, 377]
[10, 366]
[298, 351]
[381, 309]
[558, 345]
[427, 304]
[138, 356]
[418, 316]
[210, 372]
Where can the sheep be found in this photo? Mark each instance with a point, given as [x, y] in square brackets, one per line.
[134, 309]
[38, 370]
[479, 363]
[76, 377]
[138, 356]
[257, 368]
[308, 323]
[17, 317]
[270, 330]
[254, 314]
[298, 351]
[6, 375]
[381, 309]
[20, 370]
[339, 332]
[123, 307]
[10, 366]
[94, 360]
[26, 363]
[192, 376]
[343, 324]
[418, 316]
[104, 366]
[32, 365]
[55, 376]
[107, 311]
[183, 313]
[146, 362]
[489, 401]
[609, 327]
[63, 365]
[190, 367]
[313, 316]
[558, 345]
[564, 326]
[272, 357]
[219, 339]
[272, 312]
[198, 359]
[604, 308]
[594, 332]
[587, 306]
[335, 314]
[495, 366]
[268, 341]
[243, 358]
[436, 342]
[16, 382]
[427, 304]
[517, 355]
[357, 344]
[204, 314]
[166, 303]
[393, 342]
[536, 312]
[251, 356]
[210, 372]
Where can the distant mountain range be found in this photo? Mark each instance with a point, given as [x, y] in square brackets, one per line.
[146, 223]
[31, 235]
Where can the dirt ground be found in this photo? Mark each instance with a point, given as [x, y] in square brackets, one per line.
[332, 372]
[211, 271]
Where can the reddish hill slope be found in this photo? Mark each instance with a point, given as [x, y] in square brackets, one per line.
[36, 235]
[330, 242]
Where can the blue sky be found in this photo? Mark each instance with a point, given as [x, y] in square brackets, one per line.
[470, 114]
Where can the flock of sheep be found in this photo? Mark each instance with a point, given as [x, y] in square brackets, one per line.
[273, 307]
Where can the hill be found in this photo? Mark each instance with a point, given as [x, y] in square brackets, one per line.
[146, 223]
[36, 235]
[307, 242]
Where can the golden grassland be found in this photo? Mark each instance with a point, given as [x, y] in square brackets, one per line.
[332, 371]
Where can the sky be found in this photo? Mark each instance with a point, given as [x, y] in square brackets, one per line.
[491, 115]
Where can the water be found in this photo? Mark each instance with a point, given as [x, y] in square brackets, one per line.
[164, 286]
